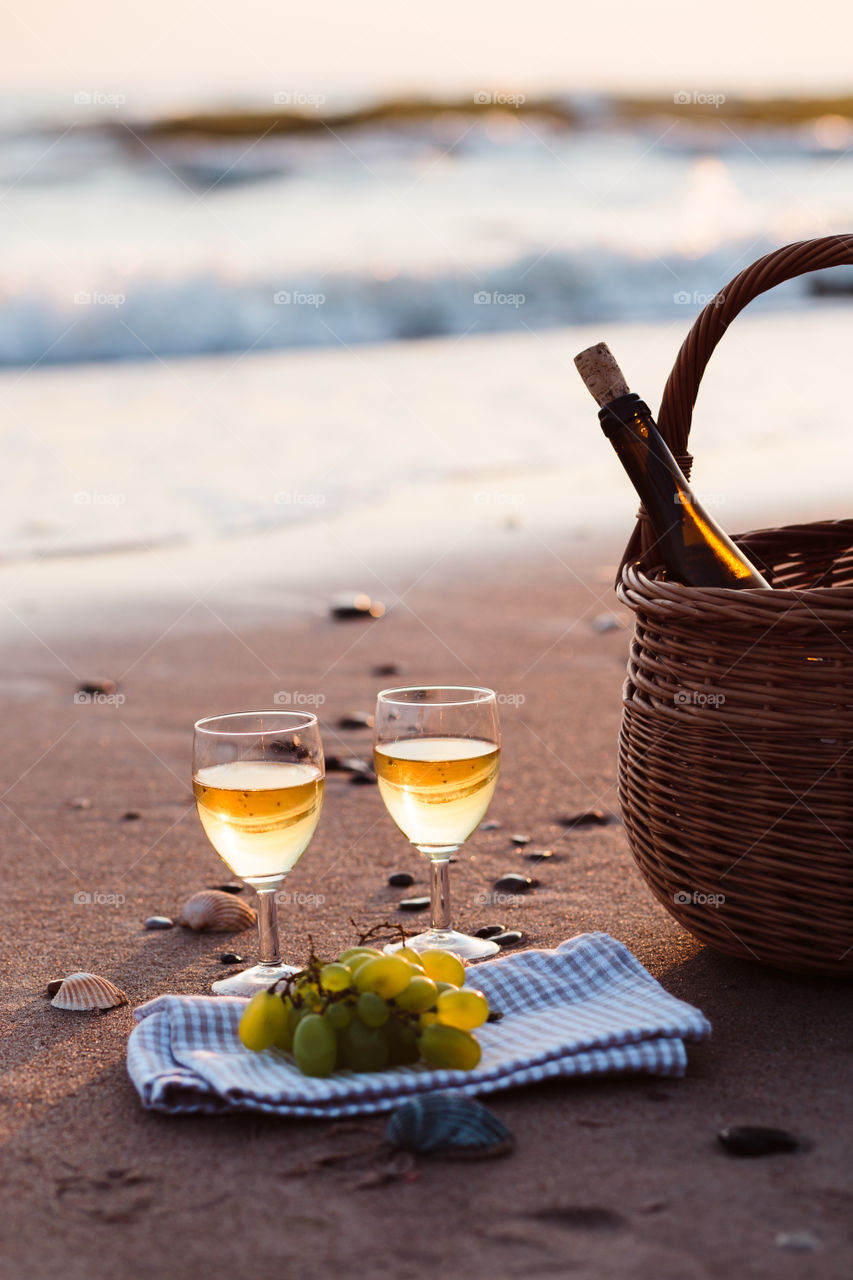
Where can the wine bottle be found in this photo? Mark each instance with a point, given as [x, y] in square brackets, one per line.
[691, 545]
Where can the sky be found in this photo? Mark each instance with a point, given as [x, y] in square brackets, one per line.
[219, 51]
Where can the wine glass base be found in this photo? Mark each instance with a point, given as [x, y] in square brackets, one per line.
[251, 981]
[450, 940]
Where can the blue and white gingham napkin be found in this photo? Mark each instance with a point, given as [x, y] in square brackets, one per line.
[587, 1008]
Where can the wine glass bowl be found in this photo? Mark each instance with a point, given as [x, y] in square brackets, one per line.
[258, 779]
[437, 753]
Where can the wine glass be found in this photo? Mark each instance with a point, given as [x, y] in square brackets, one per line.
[258, 780]
[437, 751]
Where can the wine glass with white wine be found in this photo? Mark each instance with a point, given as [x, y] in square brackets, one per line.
[437, 753]
[258, 779]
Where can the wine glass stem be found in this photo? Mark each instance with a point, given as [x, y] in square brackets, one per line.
[439, 892]
[268, 927]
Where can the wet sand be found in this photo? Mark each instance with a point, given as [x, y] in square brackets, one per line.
[610, 1178]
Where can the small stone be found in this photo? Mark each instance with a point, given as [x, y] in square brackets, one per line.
[756, 1140]
[79, 802]
[131, 816]
[495, 1015]
[604, 622]
[539, 855]
[233, 886]
[400, 880]
[798, 1242]
[489, 930]
[53, 987]
[355, 605]
[520, 838]
[91, 687]
[587, 818]
[356, 720]
[513, 883]
[491, 825]
[158, 922]
[413, 904]
[230, 957]
[385, 669]
[510, 938]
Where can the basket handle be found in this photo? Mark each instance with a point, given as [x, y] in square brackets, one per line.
[682, 387]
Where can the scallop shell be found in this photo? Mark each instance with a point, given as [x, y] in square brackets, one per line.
[217, 912]
[87, 991]
[449, 1124]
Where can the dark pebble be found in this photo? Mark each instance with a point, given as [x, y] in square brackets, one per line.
[491, 825]
[511, 938]
[539, 855]
[356, 720]
[589, 818]
[355, 605]
[363, 780]
[131, 816]
[519, 838]
[233, 886]
[159, 922]
[79, 802]
[400, 880]
[97, 686]
[53, 987]
[385, 669]
[230, 957]
[413, 904]
[513, 883]
[489, 931]
[755, 1140]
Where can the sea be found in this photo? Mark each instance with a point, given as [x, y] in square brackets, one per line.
[211, 332]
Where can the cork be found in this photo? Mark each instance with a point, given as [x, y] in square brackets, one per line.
[602, 375]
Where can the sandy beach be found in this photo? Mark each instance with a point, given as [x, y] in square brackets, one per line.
[609, 1179]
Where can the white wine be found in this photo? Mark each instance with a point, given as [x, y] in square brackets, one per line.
[437, 790]
[259, 815]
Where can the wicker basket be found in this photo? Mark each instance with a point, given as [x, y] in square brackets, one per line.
[736, 749]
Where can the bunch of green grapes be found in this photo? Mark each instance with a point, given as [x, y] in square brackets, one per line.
[368, 1011]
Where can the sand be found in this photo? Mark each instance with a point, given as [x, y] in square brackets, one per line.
[609, 1179]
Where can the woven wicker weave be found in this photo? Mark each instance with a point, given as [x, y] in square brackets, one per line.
[736, 749]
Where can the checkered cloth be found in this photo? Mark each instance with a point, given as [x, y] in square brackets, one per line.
[587, 1008]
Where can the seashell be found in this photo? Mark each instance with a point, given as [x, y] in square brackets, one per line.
[449, 1124]
[413, 904]
[87, 991]
[216, 912]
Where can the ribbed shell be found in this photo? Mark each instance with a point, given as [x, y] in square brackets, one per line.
[449, 1124]
[216, 912]
[88, 991]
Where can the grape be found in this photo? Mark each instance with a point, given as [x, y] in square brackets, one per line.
[263, 1020]
[443, 966]
[335, 977]
[403, 1044]
[339, 1015]
[353, 952]
[446, 986]
[284, 1037]
[364, 1048]
[372, 1009]
[443, 1046]
[386, 975]
[465, 1009]
[314, 1046]
[413, 957]
[427, 1019]
[420, 994]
